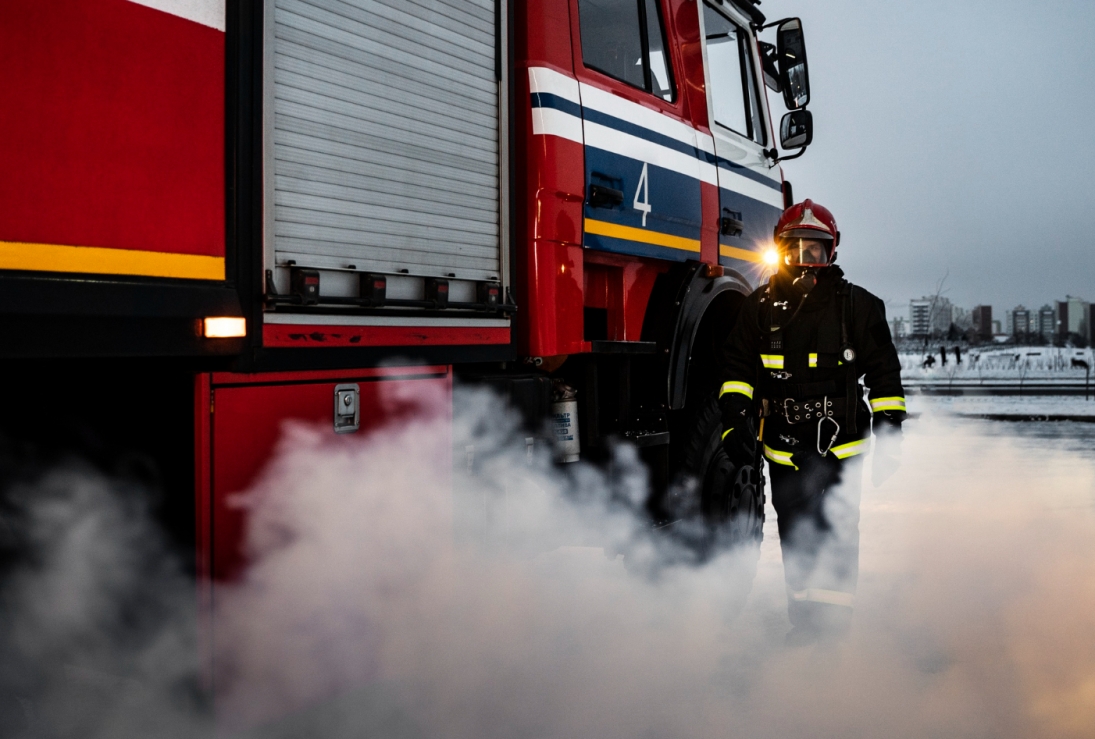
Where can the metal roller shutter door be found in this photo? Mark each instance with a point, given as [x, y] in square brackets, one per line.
[385, 136]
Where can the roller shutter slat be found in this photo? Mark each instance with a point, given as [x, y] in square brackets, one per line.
[386, 136]
[325, 142]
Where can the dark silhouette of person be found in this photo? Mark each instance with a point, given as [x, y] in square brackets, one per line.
[929, 361]
[943, 355]
[958, 355]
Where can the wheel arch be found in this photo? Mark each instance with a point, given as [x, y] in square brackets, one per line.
[686, 315]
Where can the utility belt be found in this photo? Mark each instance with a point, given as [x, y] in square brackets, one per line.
[800, 411]
[824, 410]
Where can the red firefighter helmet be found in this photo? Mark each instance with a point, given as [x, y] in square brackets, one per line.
[799, 231]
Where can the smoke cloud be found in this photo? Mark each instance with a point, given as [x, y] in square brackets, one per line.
[391, 596]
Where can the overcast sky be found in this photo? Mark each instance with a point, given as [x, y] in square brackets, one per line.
[954, 138]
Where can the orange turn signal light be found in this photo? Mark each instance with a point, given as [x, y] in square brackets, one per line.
[224, 327]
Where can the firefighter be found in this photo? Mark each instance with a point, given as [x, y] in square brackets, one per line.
[791, 369]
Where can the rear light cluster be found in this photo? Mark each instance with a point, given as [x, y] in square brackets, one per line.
[437, 292]
[373, 293]
[374, 288]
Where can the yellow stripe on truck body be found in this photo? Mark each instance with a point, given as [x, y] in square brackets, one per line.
[98, 260]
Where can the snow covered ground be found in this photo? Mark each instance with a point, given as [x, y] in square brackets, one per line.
[989, 405]
[1002, 370]
[998, 363]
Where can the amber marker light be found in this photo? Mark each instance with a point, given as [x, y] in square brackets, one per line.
[224, 327]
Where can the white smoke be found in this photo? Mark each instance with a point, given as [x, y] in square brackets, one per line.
[388, 597]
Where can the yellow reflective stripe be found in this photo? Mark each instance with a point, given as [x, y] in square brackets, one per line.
[772, 361]
[779, 457]
[737, 387]
[101, 260]
[630, 233]
[813, 360]
[734, 252]
[724, 433]
[888, 404]
[850, 449]
[820, 595]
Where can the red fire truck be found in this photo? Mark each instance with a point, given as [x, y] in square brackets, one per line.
[216, 215]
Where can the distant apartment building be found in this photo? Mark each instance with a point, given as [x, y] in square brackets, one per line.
[982, 321]
[961, 318]
[995, 328]
[899, 327]
[920, 317]
[1072, 318]
[1046, 326]
[1018, 321]
[930, 316]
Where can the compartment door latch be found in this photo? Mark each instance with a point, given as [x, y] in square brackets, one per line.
[347, 408]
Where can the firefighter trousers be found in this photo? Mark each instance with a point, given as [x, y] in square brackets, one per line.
[817, 510]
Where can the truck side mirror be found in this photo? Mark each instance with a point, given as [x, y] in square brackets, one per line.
[796, 130]
[794, 75]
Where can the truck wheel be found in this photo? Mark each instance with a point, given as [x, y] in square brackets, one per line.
[729, 502]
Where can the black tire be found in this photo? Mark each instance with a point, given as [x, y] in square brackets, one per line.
[724, 504]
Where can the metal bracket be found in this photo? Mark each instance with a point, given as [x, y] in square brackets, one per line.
[347, 408]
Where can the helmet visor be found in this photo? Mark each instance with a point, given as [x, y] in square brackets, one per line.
[805, 252]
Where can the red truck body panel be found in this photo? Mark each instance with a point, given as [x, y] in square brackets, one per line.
[112, 139]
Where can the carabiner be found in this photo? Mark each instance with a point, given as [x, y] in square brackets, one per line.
[824, 452]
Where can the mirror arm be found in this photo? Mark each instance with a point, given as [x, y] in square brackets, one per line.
[773, 154]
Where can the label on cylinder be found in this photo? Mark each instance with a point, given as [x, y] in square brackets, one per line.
[567, 443]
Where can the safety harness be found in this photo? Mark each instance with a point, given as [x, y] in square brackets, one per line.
[810, 401]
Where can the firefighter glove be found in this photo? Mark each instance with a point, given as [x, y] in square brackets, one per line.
[740, 443]
[887, 446]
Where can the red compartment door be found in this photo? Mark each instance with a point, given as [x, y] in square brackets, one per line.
[239, 425]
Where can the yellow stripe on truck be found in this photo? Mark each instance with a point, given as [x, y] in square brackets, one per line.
[629, 233]
[734, 252]
[105, 261]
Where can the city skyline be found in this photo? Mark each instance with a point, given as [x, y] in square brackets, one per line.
[934, 315]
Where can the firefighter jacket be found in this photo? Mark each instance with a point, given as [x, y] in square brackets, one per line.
[795, 358]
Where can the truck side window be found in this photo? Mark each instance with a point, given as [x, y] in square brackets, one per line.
[625, 39]
[733, 82]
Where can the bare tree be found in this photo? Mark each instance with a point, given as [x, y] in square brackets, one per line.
[934, 306]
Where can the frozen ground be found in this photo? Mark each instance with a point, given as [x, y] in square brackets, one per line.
[985, 405]
[1026, 364]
